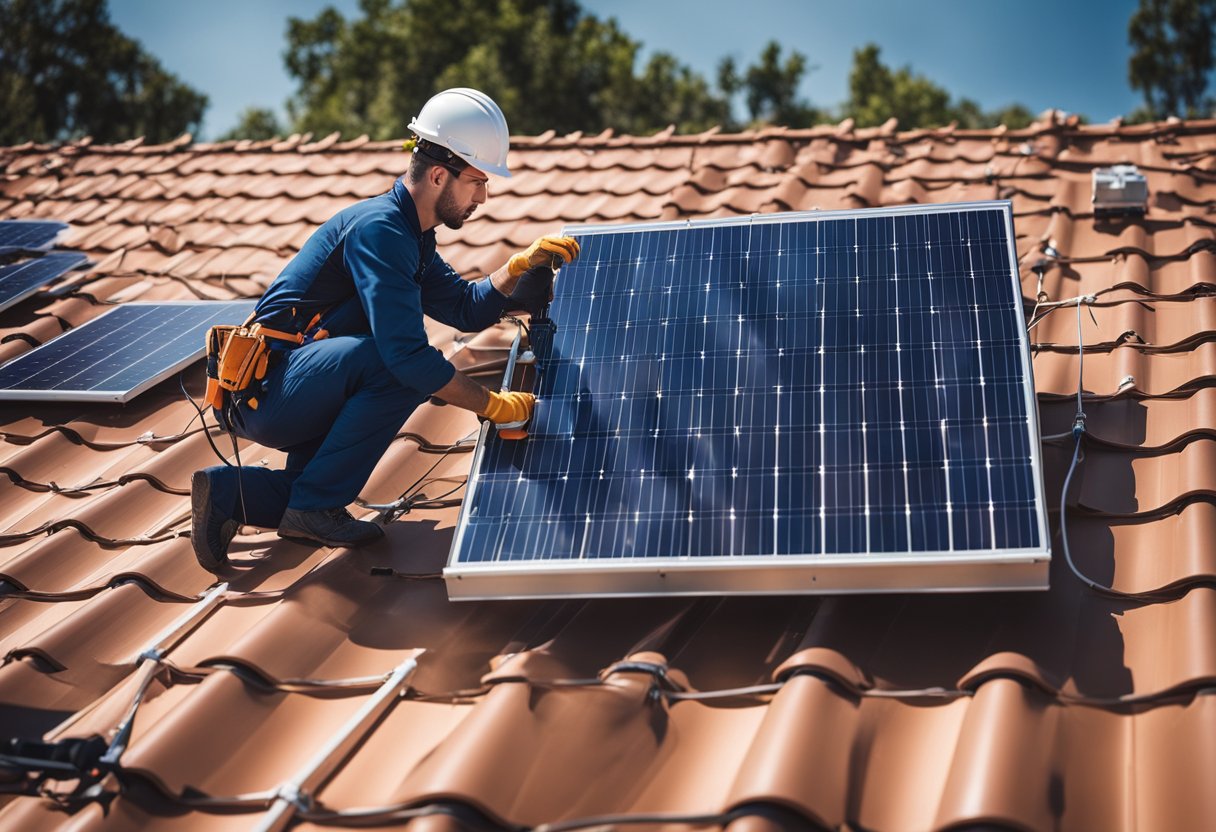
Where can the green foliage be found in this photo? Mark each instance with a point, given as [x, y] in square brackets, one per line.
[552, 66]
[876, 93]
[770, 88]
[1172, 43]
[546, 63]
[1013, 116]
[255, 123]
[66, 72]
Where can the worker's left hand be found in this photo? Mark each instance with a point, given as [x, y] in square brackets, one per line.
[546, 251]
[533, 292]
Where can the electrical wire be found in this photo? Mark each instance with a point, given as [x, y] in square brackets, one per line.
[203, 419]
[236, 453]
[408, 811]
[1079, 432]
[403, 504]
[461, 446]
[465, 817]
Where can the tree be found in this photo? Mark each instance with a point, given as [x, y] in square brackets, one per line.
[770, 88]
[548, 64]
[551, 65]
[876, 93]
[256, 123]
[1172, 42]
[66, 71]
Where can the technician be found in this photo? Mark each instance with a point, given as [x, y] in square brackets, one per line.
[356, 293]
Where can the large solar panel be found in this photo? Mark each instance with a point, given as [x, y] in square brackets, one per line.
[814, 402]
[20, 280]
[118, 355]
[28, 235]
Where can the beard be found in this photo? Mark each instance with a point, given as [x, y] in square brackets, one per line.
[447, 211]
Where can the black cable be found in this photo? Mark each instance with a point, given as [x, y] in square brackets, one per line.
[427, 447]
[422, 479]
[715, 819]
[181, 382]
[1078, 431]
[465, 817]
[203, 417]
[236, 453]
[1093, 585]
[403, 812]
[403, 504]
[438, 502]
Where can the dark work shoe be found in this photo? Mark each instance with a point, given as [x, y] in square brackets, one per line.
[329, 527]
[211, 528]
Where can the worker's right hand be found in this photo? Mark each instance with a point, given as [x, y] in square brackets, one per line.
[543, 252]
[505, 408]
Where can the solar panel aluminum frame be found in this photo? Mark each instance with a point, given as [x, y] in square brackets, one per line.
[113, 396]
[33, 289]
[43, 246]
[999, 570]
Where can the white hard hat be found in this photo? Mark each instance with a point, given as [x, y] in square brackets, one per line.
[469, 124]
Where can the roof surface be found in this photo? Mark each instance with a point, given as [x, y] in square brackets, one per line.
[1064, 709]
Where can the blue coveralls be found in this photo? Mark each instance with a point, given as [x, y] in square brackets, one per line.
[335, 404]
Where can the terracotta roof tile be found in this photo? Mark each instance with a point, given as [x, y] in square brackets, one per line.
[881, 712]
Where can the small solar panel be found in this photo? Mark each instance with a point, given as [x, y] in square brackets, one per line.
[118, 355]
[814, 402]
[28, 235]
[20, 280]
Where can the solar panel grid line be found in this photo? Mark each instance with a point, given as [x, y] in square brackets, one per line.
[19, 281]
[55, 375]
[29, 235]
[119, 354]
[720, 321]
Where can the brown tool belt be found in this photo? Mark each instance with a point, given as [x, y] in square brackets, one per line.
[238, 357]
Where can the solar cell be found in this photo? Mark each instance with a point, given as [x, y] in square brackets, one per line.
[20, 280]
[28, 235]
[117, 355]
[832, 401]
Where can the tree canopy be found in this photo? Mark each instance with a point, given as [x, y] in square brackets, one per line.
[770, 88]
[66, 71]
[547, 64]
[1172, 57]
[876, 93]
[256, 124]
[551, 65]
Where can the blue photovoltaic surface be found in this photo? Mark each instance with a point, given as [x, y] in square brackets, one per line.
[823, 386]
[117, 355]
[20, 280]
[28, 235]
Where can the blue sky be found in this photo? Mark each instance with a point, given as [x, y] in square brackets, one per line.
[1067, 54]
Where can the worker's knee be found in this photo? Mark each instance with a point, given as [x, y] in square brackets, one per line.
[337, 365]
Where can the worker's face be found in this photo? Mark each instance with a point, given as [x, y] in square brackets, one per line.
[460, 195]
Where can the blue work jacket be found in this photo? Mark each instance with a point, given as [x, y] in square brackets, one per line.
[372, 270]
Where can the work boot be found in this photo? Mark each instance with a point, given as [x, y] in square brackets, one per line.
[327, 526]
[212, 525]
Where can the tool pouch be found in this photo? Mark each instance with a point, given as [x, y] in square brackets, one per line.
[217, 337]
[237, 357]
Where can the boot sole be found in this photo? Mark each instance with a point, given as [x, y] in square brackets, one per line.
[308, 540]
[200, 502]
[301, 536]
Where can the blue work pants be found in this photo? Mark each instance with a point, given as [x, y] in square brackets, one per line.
[334, 408]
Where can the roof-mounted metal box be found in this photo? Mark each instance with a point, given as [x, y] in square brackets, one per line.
[1121, 189]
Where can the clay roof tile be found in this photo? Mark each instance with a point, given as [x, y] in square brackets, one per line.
[1011, 709]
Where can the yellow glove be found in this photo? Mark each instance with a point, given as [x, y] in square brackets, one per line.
[541, 253]
[505, 408]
